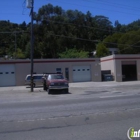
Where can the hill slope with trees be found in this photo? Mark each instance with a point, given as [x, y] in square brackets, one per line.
[62, 34]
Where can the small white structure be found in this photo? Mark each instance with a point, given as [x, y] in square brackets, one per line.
[113, 51]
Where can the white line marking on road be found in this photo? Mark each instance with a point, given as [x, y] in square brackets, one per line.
[111, 96]
[26, 121]
[41, 119]
[21, 121]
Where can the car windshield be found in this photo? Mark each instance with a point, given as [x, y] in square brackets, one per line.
[29, 78]
[57, 77]
[36, 77]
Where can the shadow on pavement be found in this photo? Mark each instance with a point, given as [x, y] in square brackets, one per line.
[35, 87]
[58, 92]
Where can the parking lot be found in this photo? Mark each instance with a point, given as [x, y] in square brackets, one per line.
[83, 88]
[80, 85]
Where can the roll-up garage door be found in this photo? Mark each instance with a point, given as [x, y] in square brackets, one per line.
[7, 75]
[81, 73]
[129, 71]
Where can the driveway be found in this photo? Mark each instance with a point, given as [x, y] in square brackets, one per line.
[95, 89]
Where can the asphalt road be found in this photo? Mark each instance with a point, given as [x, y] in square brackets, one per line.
[87, 113]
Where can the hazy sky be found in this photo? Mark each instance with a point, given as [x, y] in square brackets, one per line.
[125, 11]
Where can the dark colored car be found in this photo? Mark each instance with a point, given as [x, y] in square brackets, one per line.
[55, 82]
[108, 77]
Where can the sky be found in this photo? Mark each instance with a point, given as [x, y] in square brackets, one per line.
[125, 11]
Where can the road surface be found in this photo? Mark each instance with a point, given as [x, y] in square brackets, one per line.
[85, 114]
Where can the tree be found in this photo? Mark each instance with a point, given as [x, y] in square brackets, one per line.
[73, 53]
[104, 26]
[19, 54]
[129, 43]
[88, 16]
[23, 26]
[117, 26]
[101, 50]
[112, 41]
[57, 29]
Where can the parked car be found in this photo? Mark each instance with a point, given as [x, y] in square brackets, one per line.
[108, 77]
[55, 82]
[37, 79]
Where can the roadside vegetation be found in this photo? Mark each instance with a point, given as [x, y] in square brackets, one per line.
[68, 34]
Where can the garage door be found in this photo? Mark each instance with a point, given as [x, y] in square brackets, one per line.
[81, 73]
[7, 75]
[129, 71]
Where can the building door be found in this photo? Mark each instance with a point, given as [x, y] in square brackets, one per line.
[129, 71]
[81, 73]
[7, 75]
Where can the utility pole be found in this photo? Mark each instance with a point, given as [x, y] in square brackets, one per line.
[15, 44]
[32, 66]
[30, 4]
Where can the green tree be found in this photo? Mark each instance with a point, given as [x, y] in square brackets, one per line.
[129, 43]
[104, 26]
[73, 53]
[112, 41]
[117, 26]
[57, 29]
[19, 54]
[101, 50]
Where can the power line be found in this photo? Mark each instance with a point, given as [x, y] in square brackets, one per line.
[133, 45]
[63, 36]
[77, 5]
[110, 3]
[95, 7]
[76, 38]
[110, 29]
[14, 32]
[90, 27]
[106, 2]
[95, 41]
[24, 7]
[115, 4]
[10, 13]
